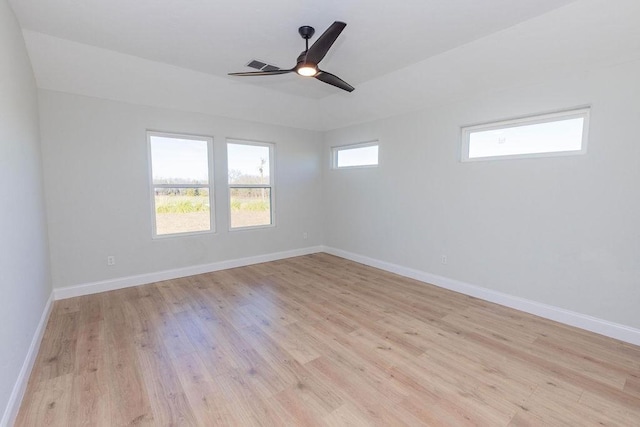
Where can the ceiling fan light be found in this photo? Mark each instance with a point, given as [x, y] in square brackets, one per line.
[307, 70]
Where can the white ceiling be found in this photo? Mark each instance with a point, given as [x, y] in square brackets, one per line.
[217, 37]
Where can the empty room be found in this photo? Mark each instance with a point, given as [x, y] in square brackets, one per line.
[337, 213]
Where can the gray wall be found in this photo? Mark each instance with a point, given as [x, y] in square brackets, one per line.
[24, 273]
[564, 231]
[98, 197]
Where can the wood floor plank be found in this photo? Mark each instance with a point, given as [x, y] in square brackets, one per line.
[205, 396]
[127, 391]
[320, 341]
[169, 403]
[632, 385]
[57, 355]
[49, 404]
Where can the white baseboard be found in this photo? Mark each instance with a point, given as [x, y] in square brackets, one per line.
[13, 406]
[143, 279]
[567, 317]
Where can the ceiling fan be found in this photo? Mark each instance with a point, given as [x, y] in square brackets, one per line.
[307, 62]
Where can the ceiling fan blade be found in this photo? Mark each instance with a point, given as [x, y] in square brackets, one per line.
[320, 48]
[261, 73]
[336, 81]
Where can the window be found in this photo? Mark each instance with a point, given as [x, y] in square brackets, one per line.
[180, 183]
[250, 169]
[551, 134]
[355, 155]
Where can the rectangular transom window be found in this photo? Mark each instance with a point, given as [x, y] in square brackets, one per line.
[355, 155]
[251, 192]
[181, 184]
[552, 134]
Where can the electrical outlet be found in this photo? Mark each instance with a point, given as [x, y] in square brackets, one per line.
[305, 236]
[111, 260]
[444, 259]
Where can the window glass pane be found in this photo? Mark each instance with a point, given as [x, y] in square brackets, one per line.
[182, 210]
[358, 156]
[248, 164]
[551, 137]
[250, 207]
[179, 161]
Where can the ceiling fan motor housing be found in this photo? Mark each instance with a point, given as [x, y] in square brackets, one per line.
[306, 32]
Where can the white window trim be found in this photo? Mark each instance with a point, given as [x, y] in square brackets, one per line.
[580, 112]
[271, 185]
[337, 148]
[210, 185]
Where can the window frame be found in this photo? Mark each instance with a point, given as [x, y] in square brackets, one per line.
[337, 148]
[549, 117]
[271, 186]
[210, 185]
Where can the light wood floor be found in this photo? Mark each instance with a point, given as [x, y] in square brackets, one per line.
[318, 340]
